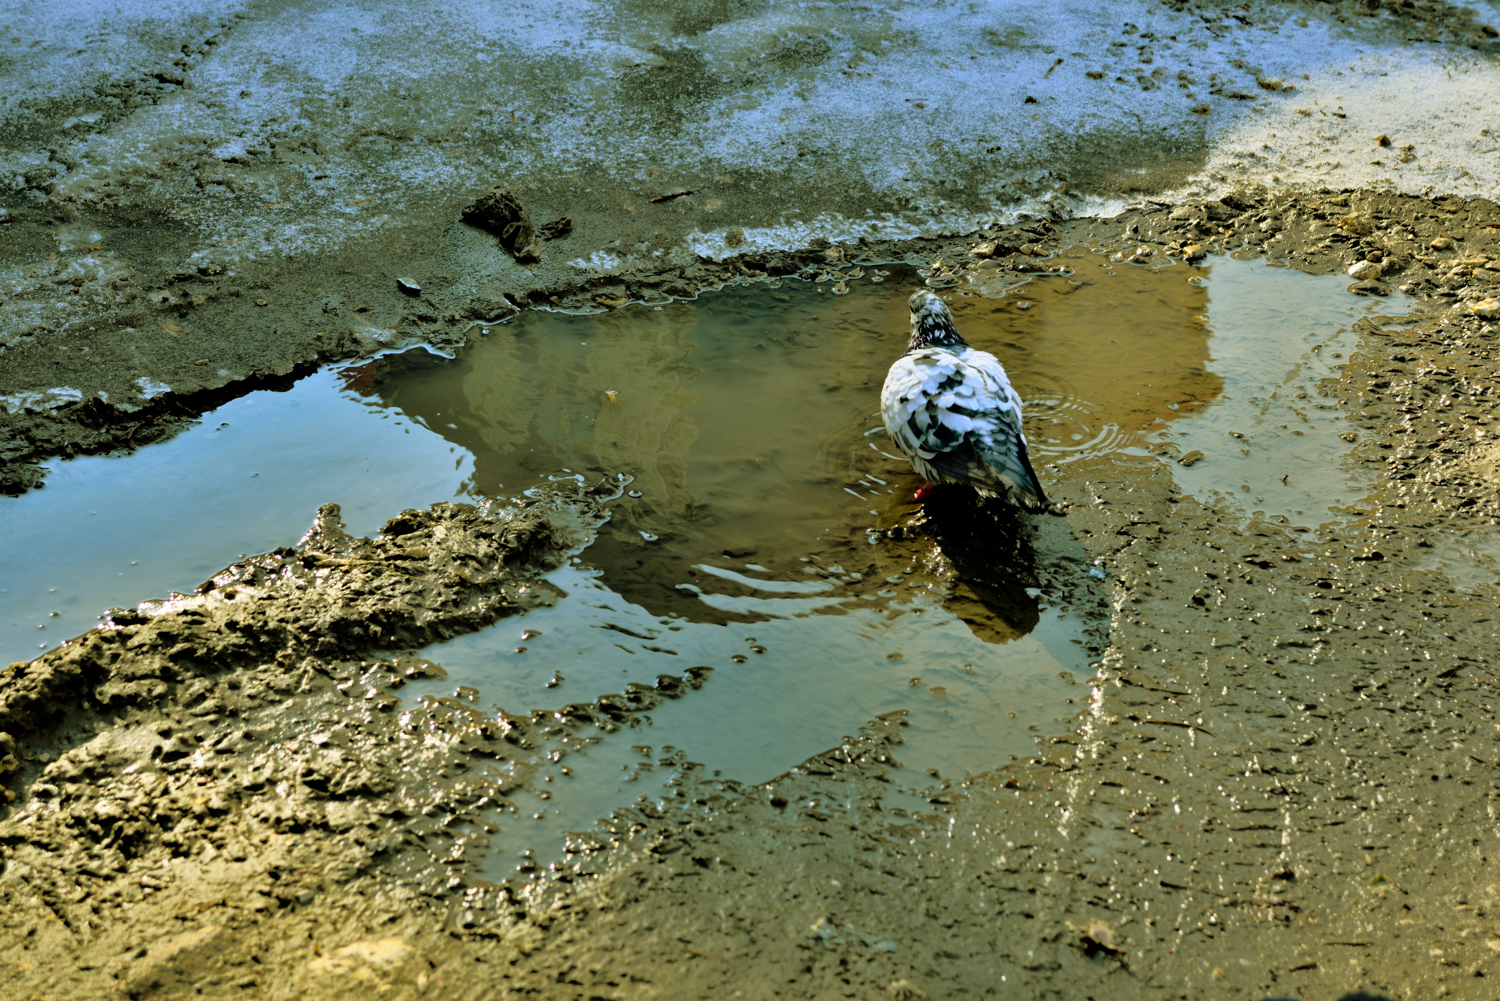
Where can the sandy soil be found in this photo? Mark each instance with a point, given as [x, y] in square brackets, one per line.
[1280, 785]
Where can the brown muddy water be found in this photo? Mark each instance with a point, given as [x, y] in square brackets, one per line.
[766, 536]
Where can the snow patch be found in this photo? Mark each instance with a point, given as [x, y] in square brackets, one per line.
[46, 399]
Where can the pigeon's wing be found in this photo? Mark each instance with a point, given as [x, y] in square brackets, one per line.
[958, 420]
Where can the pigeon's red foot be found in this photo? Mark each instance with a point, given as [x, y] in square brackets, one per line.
[923, 493]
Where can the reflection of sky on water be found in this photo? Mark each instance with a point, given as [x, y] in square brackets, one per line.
[115, 530]
[1271, 442]
[782, 689]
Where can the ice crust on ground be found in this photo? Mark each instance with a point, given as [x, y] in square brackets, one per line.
[959, 113]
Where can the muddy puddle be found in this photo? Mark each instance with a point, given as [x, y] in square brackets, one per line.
[767, 546]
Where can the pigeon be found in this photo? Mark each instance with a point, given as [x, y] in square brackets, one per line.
[953, 413]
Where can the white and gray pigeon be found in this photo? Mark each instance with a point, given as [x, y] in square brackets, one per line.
[953, 413]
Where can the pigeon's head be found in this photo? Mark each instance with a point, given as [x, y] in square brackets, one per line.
[931, 323]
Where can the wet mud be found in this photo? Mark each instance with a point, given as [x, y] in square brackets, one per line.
[1279, 781]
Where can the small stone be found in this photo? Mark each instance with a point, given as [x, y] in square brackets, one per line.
[1194, 252]
[1365, 270]
[410, 288]
[1356, 224]
[1370, 287]
[1489, 309]
[1099, 935]
[734, 236]
[1143, 252]
[1383, 139]
[1441, 243]
[983, 250]
[1192, 457]
[1182, 212]
[1375, 256]
[261, 302]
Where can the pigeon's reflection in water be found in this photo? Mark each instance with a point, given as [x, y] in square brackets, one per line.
[994, 555]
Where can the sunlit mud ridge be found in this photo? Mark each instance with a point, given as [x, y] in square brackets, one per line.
[428, 576]
[129, 715]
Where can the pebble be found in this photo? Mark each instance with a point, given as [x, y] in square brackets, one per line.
[1187, 460]
[1365, 270]
[904, 990]
[1441, 243]
[1194, 252]
[408, 287]
[1370, 287]
[1489, 309]
[1357, 224]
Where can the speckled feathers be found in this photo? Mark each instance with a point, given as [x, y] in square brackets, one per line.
[952, 411]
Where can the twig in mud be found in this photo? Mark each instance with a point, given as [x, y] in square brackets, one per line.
[1173, 722]
[668, 198]
[1154, 688]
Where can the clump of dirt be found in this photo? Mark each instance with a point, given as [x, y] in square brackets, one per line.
[502, 213]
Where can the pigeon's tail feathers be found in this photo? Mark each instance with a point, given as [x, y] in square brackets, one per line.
[1002, 471]
[1015, 480]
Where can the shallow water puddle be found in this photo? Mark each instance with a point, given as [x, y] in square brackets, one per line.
[111, 531]
[1273, 441]
[776, 692]
[767, 533]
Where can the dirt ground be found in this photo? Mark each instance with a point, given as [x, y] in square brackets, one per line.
[1281, 784]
